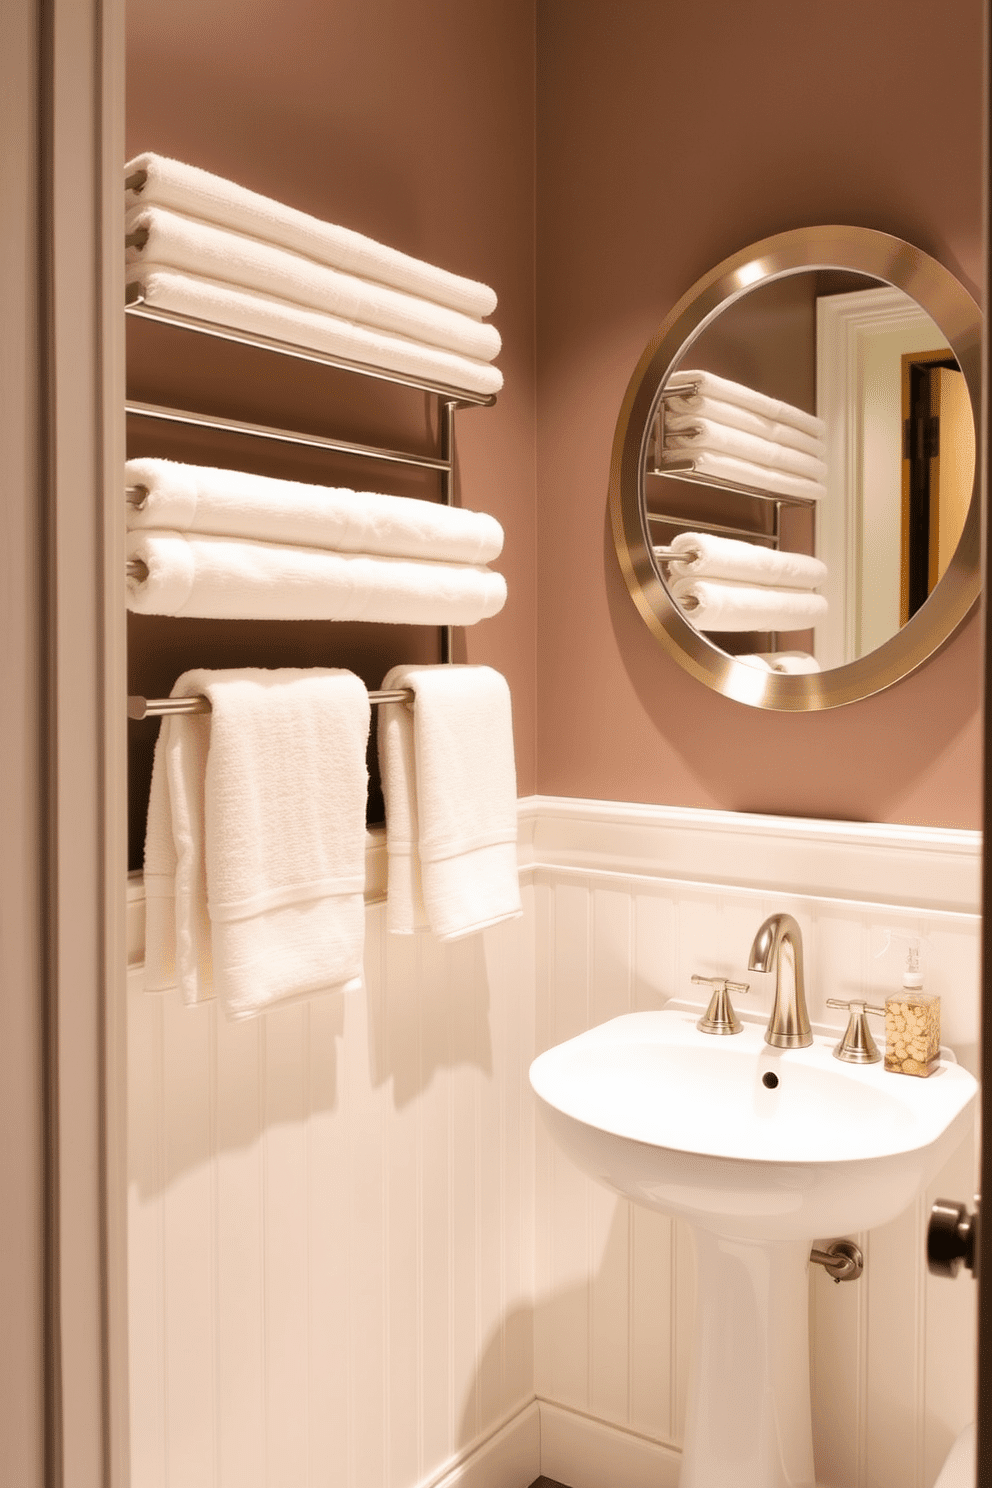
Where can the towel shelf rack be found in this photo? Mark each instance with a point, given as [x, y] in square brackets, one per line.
[136, 305]
[285, 436]
[140, 707]
[451, 399]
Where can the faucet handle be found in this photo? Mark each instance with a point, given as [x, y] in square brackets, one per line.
[720, 1016]
[857, 1046]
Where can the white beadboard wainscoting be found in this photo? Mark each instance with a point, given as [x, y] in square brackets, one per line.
[356, 1261]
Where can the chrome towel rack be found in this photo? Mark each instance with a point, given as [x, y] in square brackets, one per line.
[451, 399]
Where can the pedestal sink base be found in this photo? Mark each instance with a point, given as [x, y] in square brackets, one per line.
[748, 1422]
[760, 1151]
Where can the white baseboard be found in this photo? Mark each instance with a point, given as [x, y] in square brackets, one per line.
[545, 1440]
[586, 1453]
[509, 1458]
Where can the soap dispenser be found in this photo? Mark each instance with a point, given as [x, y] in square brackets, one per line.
[912, 1023]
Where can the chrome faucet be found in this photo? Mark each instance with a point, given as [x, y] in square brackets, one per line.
[779, 943]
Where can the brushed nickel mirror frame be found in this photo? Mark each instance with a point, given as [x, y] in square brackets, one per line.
[951, 307]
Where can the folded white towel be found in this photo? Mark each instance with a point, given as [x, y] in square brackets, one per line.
[280, 320]
[231, 503]
[704, 434]
[744, 473]
[226, 578]
[794, 662]
[262, 824]
[449, 784]
[173, 241]
[716, 605]
[710, 556]
[708, 385]
[187, 188]
[685, 412]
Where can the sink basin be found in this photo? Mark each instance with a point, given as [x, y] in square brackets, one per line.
[762, 1151]
[742, 1138]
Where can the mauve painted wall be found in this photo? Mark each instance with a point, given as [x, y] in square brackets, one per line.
[670, 135]
[411, 121]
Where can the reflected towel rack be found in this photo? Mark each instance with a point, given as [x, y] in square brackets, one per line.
[140, 707]
[684, 469]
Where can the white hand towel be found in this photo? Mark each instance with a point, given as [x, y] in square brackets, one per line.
[280, 320]
[708, 385]
[449, 784]
[704, 434]
[231, 503]
[744, 473]
[226, 578]
[708, 556]
[187, 188]
[716, 605]
[266, 800]
[171, 834]
[685, 412]
[177, 242]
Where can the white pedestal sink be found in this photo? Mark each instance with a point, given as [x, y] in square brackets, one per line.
[763, 1151]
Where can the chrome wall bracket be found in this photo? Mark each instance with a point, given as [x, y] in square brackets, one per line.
[842, 1258]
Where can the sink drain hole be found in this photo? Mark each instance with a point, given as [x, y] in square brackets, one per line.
[769, 1080]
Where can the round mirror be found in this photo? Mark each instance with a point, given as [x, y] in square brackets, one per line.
[792, 487]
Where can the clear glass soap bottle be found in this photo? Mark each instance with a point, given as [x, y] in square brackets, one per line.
[912, 1023]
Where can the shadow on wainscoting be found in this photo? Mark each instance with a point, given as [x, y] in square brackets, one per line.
[202, 1087]
[430, 1003]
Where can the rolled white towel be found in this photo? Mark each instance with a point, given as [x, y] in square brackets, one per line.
[173, 241]
[704, 434]
[280, 320]
[709, 385]
[233, 503]
[685, 412]
[224, 578]
[744, 473]
[187, 188]
[713, 604]
[709, 556]
[795, 663]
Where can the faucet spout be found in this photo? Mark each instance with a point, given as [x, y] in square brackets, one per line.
[779, 944]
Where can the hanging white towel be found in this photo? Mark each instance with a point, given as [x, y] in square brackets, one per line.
[723, 439]
[685, 412]
[228, 578]
[232, 503]
[716, 605]
[709, 385]
[174, 241]
[449, 784]
[265, 803]
[280, 320]
[709, 556]
[795, 663]
[744, 473]
[187, 188]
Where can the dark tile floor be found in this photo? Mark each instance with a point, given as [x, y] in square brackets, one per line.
[547, 1483]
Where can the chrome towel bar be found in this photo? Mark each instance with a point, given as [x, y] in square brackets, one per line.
[140, 707]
